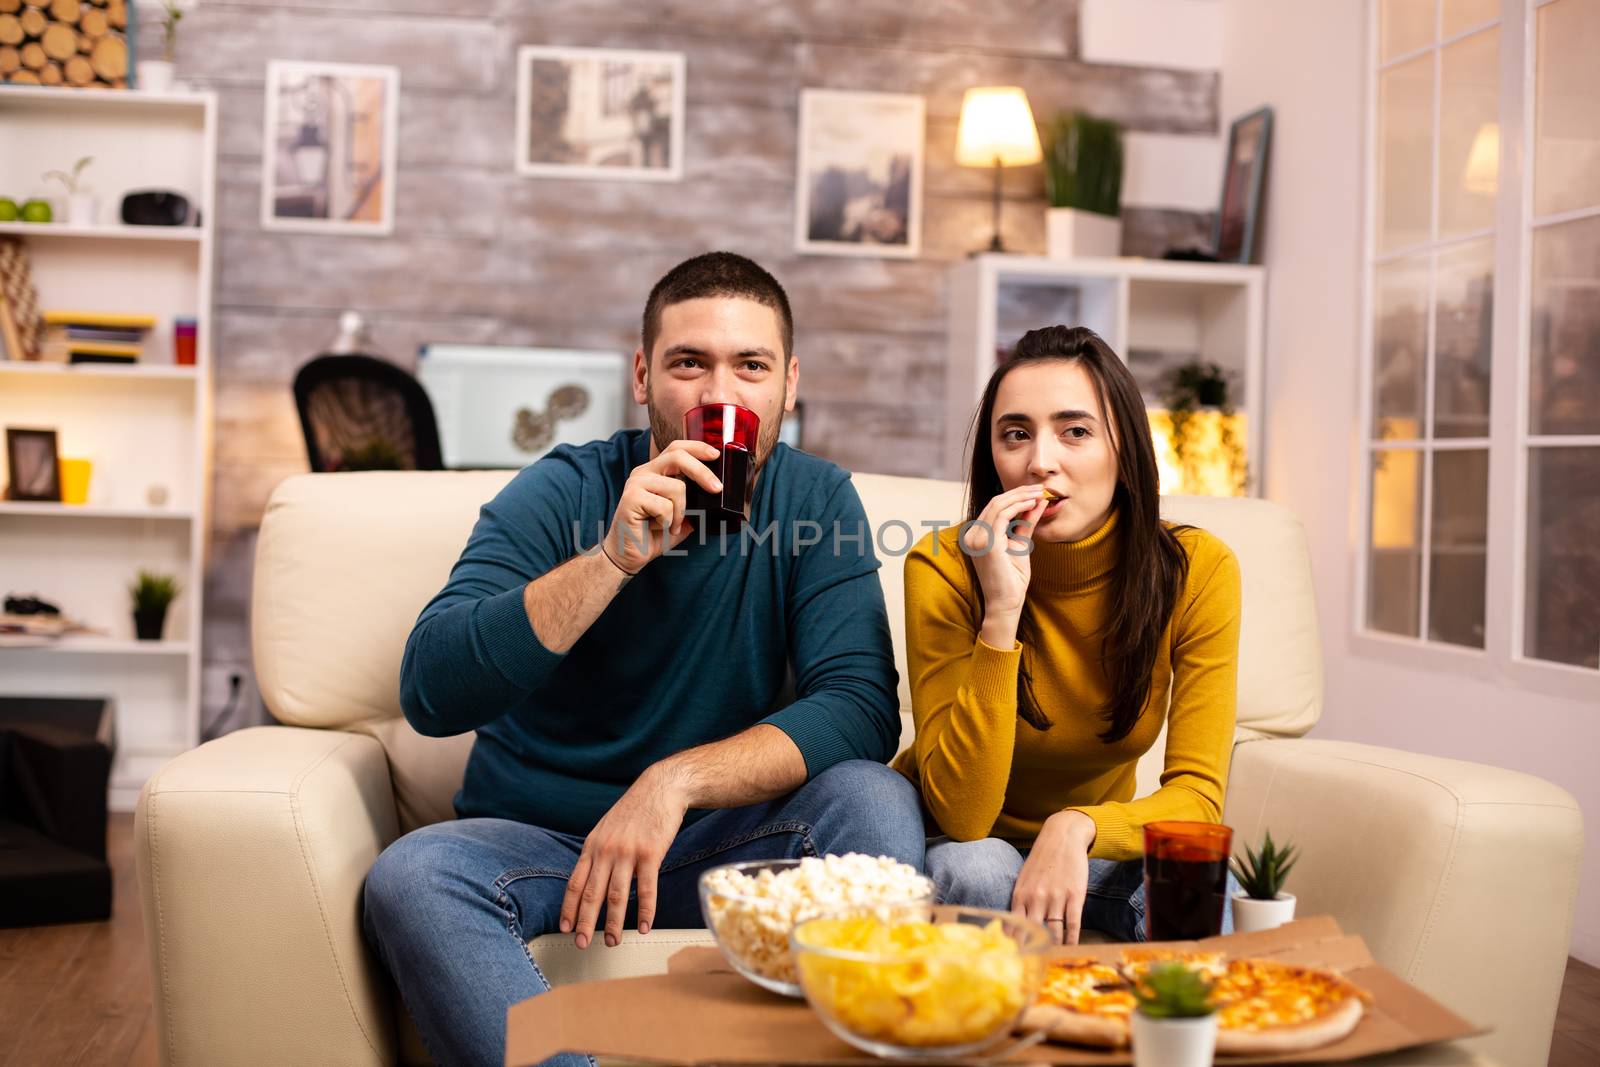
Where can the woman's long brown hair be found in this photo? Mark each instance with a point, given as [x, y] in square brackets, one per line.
[1152, 567]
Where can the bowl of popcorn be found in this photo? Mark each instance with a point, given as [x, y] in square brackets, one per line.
[914, 982]
[751, 907]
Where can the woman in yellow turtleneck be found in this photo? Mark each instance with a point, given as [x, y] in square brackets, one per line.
[1039, 677]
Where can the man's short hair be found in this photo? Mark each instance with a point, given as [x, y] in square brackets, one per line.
[717, 274]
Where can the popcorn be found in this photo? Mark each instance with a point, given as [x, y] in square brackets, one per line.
[752, 915]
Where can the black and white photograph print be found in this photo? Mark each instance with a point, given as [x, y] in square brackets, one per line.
[860, 174]
[328, 158]
[599, 113]
[33, 467]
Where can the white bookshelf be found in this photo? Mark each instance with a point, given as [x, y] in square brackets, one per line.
[143, 425]
[1214, 311]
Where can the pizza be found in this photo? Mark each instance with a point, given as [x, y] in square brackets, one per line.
[1262, 1006]
[1083, 1002]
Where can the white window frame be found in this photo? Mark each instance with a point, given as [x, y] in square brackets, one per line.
[1509, 443]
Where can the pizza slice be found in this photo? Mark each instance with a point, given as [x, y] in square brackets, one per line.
[1137, 962]
[1083, 1002]
[1269, 1007]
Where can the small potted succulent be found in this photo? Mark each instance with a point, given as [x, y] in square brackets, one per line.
[1175, 1023]
[1263, 904]
[80, 202]
[152, 594]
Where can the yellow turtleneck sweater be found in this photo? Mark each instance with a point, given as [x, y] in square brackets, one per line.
[984, 772]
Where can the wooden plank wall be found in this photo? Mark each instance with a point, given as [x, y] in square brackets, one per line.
[481, 255]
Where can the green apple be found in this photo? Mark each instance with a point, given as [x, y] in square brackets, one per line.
[37, 211]
[8, 210]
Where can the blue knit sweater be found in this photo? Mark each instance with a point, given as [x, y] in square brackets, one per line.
[783, 623]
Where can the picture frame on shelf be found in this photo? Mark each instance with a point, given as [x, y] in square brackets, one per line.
[33, 465]
[1233, 236]
[600, 113]
[328, 151]
[858, 190]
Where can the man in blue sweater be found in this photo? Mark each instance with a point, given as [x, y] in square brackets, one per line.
[650, 699]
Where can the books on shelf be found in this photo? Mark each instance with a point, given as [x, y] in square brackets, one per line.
[94, 336]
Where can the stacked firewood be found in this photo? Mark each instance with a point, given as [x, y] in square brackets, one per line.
[64, 42]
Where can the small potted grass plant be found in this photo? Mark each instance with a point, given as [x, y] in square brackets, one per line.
[152, 594]
[1263, 904]
[1175, 1023]
[155, 75]
[1083, 177]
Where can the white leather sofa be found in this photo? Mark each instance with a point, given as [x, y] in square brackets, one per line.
[252, 848]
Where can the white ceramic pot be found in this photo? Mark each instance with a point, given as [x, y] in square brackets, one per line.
[1174, 1042]
[81, 209]
[1074, 234]
[1250, 914]
[154, 75]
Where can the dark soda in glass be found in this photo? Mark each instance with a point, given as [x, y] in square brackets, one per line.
[1185, 879]
[734, 431]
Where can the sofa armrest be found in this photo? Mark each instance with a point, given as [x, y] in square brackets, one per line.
[1460, 877]
[251, 853]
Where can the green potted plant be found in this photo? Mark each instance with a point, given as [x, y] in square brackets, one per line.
[1083, 178]
[1191, 388]
[152, 594]
[1263, 904]
[80, 202]
[155, 75]
[1175, 1022]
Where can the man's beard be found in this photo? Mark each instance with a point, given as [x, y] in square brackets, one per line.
[663, 433]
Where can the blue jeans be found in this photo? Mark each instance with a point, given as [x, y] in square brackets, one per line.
[983, 873]
[449, 908]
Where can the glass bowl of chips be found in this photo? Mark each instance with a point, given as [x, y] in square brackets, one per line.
[914, 981]
[751, 907]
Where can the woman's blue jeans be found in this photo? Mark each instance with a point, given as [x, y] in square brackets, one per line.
[983, 873]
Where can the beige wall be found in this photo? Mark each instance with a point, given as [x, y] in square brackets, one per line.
[1306, 60]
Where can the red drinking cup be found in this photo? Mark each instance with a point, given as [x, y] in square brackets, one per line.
[733, 430]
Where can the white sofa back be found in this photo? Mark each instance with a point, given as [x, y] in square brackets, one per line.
[345, 563]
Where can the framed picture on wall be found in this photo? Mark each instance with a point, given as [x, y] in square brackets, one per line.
[600, 113]
[33, 467]
[859, 185]
[1244, 173]
[328, 153]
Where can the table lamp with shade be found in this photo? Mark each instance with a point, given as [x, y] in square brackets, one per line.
[997, 131]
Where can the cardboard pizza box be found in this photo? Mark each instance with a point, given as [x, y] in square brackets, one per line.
[701, 1012]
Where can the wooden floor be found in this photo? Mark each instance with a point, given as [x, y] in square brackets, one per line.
[80, 994]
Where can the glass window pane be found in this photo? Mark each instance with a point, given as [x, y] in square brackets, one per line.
[1469, 133]
[1404, 25]
[1463, 310]
[1566, 167]
[1563, 608]
[1461, 15]
[1394, 571]
[1564, 380]
[1400, 348]
[1405, 154]
[1457, 547]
